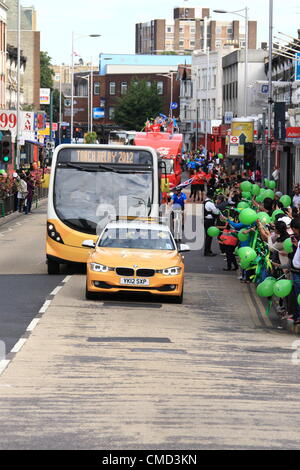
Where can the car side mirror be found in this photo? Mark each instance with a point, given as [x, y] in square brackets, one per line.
[184, 248]
[89, 244]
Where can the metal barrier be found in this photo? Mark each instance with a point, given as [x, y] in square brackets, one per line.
[8, 204]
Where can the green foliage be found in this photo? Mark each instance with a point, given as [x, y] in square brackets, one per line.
[47, 73]
[90, 138]
[140, 103]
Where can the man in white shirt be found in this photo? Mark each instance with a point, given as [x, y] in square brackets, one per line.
[210, 214]
[296, 198]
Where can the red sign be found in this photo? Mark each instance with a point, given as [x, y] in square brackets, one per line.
[223, 130]
[216, 131]
[293, 133]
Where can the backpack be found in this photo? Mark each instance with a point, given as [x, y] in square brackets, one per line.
[228, 238]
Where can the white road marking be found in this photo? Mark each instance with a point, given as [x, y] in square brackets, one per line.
[3, 365]
[45, 306]
[19, 345]
[56, 290]
[33, 324]
[67, 279]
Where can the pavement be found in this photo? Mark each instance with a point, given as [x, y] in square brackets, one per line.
[128, 373]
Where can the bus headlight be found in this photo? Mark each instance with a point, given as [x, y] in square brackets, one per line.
[170, 271]
[53, 234]
[99, 268]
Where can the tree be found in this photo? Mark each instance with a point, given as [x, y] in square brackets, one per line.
[47, 72]
[140, 103]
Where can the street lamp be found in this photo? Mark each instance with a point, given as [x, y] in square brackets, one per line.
[171, 77]
[72, 84]
[246, 16]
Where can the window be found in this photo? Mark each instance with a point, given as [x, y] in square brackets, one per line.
[160, 88]
[149, 84]
[124, 88]
[112, 88]
[57, 77]
[169, 30]
[192, 43]
[111, 112]
[97, 88]
[181, 43]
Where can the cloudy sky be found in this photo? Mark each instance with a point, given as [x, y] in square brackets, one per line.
[115, 21]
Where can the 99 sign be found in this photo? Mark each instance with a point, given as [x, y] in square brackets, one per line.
[8, 120]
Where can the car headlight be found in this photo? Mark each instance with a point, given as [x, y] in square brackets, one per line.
[170, 271]
[99, 268]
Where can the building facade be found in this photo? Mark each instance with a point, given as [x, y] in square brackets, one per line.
[12, 78]
[234, 80]
[188, 32]
[30, 44]
[3, 46]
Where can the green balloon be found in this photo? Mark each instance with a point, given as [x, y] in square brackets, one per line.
[283, 288]
[272, 184]
[247, 254]
[243, 237]
[278, 211]
[247, 195]
[264, 218]
[266, 288]
[260, 198]
[298, 299]
[288, 245]
[220, 156]
[269, 194]
[266, 181]
[246, 186]
[243, 205]
[213, 232]
[248, 217]
[255, 189]
[286, 201]
[244, 264]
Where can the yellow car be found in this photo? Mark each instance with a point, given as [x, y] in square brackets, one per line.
[135, 257]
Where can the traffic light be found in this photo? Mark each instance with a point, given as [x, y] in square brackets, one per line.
[5, 150]
[250, 156]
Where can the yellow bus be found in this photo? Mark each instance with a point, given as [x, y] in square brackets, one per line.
[90, 185]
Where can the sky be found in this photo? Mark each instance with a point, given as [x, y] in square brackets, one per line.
[115, 20]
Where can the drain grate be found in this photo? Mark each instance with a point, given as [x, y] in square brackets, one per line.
[129, 340]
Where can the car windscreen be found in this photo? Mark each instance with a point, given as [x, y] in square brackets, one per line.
[140, 239]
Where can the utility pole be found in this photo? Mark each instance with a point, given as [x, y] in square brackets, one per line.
[18, 155]
[270, 100]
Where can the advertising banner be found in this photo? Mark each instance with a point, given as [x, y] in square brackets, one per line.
[45, 95]
[243, 132]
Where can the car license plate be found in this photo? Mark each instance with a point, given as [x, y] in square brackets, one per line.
[134, 282]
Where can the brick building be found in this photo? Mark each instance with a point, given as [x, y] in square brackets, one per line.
[116, 73]
[187, 33]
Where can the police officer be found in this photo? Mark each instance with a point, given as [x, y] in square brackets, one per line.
[210, 215]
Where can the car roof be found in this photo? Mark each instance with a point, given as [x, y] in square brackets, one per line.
[138, 225]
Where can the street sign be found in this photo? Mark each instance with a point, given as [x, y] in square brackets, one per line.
[228, 117]
[45, 95]
[297, 67]
[244, 131]
[174, 105]
[234, 140]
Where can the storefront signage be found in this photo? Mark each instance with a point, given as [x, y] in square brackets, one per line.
[293, 133]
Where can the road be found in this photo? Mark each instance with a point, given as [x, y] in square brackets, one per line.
[139, 374]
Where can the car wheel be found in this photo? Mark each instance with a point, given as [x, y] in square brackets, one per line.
[53, 267]
[91, 295]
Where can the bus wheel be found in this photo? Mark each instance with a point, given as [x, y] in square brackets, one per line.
[53, 268]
